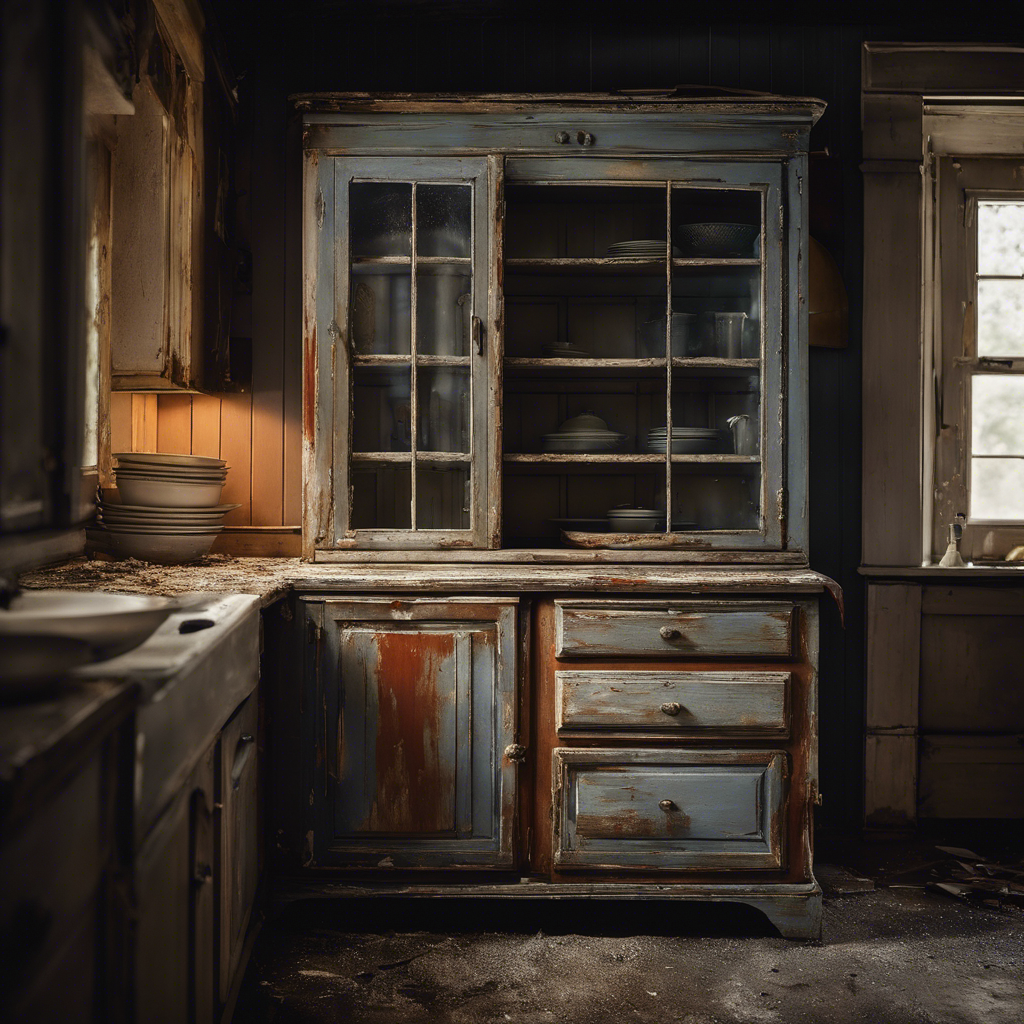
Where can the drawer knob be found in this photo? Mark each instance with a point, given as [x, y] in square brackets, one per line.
[672, 708]
[670, 633]
[584, 138]
[667, 805]
[562, 138]
[516, 752]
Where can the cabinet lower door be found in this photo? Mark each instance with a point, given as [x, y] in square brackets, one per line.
[417, 709]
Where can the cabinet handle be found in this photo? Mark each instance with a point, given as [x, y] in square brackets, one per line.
[516, 752]
[243, 753]
[672, 708]
[203, 874]
[562, 138]
[667, 805]
[477, 335]
[584, 138]
[670, 633]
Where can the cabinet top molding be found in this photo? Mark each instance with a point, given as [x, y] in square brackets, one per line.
[742, 106]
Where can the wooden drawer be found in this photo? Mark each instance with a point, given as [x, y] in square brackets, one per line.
[672, 701]
[629, 808]
[683, 628]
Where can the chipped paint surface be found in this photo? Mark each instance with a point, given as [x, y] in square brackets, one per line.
[415, 774]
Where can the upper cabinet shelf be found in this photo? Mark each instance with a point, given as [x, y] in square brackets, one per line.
[502, 343]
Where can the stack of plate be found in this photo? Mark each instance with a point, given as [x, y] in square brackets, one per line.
[687, 440]
[581, 434]
[640, 248]
[636, 520]
[170, 511]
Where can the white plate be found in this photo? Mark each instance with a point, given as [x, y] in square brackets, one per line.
[171, 474]
[165, 530]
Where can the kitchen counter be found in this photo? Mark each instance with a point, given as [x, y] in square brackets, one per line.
[272, 578]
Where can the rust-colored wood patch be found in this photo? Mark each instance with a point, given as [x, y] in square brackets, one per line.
[415, 780]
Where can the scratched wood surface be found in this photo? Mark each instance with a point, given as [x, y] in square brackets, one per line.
[671, 702]
[687, 628]
[638, 808]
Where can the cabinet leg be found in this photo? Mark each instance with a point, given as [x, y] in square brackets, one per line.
[795, 916]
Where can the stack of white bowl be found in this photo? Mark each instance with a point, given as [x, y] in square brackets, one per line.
[169, 511]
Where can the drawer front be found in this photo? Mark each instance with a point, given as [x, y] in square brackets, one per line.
[663, 809]
[672, 701]
[724, 629]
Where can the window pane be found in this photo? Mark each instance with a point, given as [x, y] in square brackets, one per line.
[379, 311]
[443, 220]
[443, 409]
[444, 307]
[1000, 238]
[1000, 318]
[381, 416]
[381, 497]
[381, 215]
[997, 488]
[442, 497]
[997, 415]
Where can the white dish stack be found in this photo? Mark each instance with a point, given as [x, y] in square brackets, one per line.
[169, 511]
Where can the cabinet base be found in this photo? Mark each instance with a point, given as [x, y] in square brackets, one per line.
[793, 909]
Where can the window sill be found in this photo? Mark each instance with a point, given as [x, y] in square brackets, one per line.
[987, 570]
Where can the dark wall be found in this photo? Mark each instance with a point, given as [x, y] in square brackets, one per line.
[392, 47]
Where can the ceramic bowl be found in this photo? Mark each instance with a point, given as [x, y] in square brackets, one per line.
[181, 494]
[717, 238]
[163, 548]
[636, 520]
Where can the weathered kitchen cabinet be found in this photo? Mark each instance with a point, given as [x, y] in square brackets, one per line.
[418, 700]
[521, 313]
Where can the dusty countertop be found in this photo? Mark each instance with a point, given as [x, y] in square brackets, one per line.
[272, 578]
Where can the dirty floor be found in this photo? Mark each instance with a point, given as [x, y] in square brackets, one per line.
[892, 953]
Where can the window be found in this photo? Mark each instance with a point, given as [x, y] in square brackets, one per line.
[979, 356]
[996, 487]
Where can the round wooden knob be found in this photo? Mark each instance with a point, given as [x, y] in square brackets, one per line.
[671, 708]
[666, 805]
[669, 633]
[562, 138]
[584, 138]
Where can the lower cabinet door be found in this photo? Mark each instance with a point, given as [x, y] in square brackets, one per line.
[668, 809]
[417, 708]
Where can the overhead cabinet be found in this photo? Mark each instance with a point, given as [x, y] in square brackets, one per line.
[514, 350]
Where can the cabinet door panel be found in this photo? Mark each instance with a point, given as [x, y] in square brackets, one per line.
[417, 707]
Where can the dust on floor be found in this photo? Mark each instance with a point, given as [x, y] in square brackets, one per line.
[888, 956]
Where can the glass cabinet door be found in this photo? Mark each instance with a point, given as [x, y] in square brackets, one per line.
[644, 343]
[411, 276]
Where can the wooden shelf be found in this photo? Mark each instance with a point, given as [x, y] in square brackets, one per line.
[645, 367]
[630, 458]
[397, 361]
[457, 458]
[618, 266]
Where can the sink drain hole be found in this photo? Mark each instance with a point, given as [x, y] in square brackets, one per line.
[194, 625]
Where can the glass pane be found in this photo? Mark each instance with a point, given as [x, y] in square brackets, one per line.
[443, 400]
[997, 415]
[381, 409]
[728, 406]
[585, 221]
[380, 310]
[723, 501]
[381, 497]
[444, 306]
[444, 220]
[1000, 238]
[722, 223]
[997, 488]
[1000, 318]
[716, 312]
[442, 497]
[381, 218]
